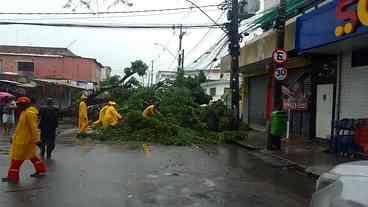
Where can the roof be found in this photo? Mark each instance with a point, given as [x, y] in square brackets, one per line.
[36, 51]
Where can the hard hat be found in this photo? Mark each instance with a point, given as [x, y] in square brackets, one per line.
[23, 100]
[113, 103]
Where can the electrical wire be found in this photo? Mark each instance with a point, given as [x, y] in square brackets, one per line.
[208, 16]
[107, 12]
[105, 26]
[212, 56]
[208, 51]
[177, 56]
[99, 17]
[204, 36]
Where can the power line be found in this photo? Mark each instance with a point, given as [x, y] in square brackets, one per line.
[204, 36]
[209, 17]
[100, 17]
[104, 26]
[107, 12]
[208, 53]
[169, 41]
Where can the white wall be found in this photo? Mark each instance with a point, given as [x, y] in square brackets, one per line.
[220, 88]
[354, 90]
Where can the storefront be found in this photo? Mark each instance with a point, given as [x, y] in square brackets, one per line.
[257, 80]
[338, 31]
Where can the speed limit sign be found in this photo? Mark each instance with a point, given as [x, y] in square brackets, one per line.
[280, 73]
[279, 56]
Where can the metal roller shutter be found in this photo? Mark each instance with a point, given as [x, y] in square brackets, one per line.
[257, 101]
[354, 90]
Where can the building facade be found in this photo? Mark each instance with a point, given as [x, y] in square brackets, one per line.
[216, 88]
[327, 70]
[211, 74]
[49, 63]
[340, 30]
[256, 68]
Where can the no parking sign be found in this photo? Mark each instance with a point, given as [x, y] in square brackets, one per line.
[279, 56]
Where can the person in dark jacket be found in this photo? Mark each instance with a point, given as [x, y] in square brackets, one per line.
[48, 125]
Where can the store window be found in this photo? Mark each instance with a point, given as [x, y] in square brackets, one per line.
[212, 91]
[25, 66]
[359, 58]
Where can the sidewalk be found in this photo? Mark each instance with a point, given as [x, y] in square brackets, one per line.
[306, 155]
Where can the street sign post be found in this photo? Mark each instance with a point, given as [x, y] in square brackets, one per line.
[279, 56]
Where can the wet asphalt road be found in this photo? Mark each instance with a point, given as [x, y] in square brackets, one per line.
[103, 176]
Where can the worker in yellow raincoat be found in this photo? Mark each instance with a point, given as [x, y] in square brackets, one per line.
[101, 114]
[83, 115]
[151, 110]
[111, 116]
[24, 142]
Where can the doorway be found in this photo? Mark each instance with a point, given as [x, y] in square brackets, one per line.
[324, 110]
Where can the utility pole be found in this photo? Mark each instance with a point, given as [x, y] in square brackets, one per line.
[152, 73]
[276, 84]
[234, 49]
[181, 51]
[280, 29]
[182, 60]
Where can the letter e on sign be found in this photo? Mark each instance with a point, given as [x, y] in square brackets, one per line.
[279, 56]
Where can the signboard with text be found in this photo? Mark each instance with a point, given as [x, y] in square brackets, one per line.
[330, 23]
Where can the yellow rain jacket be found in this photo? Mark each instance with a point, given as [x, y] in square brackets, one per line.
[149, 111]
[83, 117]
[26, 136]
[101, 114]
[111, 117]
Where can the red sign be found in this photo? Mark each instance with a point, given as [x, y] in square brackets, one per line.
[352, 15]
[294, 100]
[279, 56]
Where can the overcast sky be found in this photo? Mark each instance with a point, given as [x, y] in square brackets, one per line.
[113, 47]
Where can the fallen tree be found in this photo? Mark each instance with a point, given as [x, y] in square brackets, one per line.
[183, 118]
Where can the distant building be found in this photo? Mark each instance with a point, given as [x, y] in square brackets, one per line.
[216, 88]
[50, 63]
[43, 72]
[165, 75]
[212, 74]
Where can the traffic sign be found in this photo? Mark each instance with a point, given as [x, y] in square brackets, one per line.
[280, 73]
[279, 56]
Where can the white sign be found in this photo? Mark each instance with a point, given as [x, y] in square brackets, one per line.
[280, 73]
[279, 56]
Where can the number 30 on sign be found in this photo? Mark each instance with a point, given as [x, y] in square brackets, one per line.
[280, 73]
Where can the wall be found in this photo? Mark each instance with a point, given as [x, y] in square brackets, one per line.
[220, 87]
[261, 48]
[55, 67]
[354, 89]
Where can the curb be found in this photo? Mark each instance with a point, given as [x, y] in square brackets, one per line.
[247, 146]
[299, 167]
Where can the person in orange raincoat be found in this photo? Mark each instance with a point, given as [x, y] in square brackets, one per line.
[151, 110]
[24, 142]
[101, 115]
[83, 115]
[111, 116]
